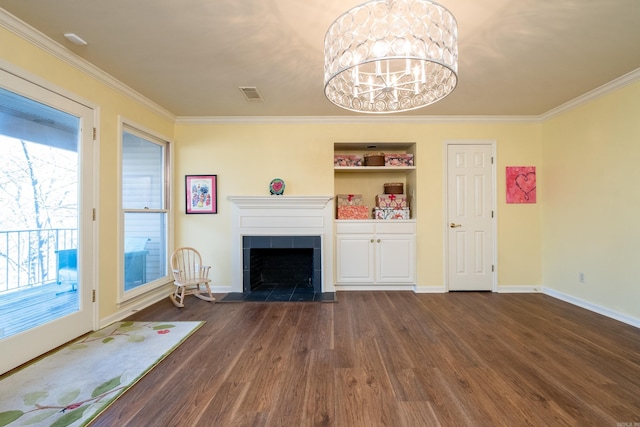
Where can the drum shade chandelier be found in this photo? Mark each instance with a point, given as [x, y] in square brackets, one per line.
[388, 56]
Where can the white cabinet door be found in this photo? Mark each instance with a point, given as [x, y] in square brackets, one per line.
[395, 255]
[356, 257]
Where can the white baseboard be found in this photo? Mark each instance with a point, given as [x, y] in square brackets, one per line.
[221, 289]
[501, 289]
[374, 288]
[430, 290]
[154, 297]
[593, 307]
[519, 289]
[136, 305]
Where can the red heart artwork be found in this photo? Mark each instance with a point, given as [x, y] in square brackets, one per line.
[277, 186]
[526, 183]
[521, 184]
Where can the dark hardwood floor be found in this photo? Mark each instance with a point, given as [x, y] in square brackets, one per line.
[390, 359]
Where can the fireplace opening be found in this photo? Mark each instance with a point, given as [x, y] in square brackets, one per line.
[284, 268]
[282, 263]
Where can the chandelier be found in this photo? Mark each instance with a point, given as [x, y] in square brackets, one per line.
[388, 56]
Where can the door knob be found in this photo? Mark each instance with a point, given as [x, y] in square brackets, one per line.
[452, 225]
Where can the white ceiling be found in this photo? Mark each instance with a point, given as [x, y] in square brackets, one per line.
[516, 57]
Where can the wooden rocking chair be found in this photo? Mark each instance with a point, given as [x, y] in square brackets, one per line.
[189, 274]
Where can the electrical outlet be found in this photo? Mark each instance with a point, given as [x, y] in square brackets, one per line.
[581, 277]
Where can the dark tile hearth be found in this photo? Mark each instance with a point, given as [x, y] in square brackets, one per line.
[274, 293]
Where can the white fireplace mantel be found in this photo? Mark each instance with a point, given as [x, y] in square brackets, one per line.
[280, 202]
[282, 216]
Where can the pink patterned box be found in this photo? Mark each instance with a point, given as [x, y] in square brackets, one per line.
[394, 201]
[386, 213]
[349, 199]
[398, 159]
[347, 160]
[353, 212]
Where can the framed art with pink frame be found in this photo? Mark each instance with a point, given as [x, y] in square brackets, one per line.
[201, 194]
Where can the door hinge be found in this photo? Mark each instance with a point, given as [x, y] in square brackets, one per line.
[93, 214]
[491, 156]
[95, 131]
[491, 214]
[493, 268]
[93, 295]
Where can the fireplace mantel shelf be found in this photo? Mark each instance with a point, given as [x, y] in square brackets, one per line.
[280, 202]
[283, 216]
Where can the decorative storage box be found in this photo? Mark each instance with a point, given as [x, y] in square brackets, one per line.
[374, 159]
[387, 213]
[398, 159]
[349, 199]
[393, 188]
[353, 212]
[347, 160]
[393, 201]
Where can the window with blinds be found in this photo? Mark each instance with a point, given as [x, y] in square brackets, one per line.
[145, 210]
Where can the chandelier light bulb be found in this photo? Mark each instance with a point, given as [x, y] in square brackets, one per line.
[388, 56]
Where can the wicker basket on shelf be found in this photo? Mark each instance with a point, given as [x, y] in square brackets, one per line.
[394, 188]
[374, 159]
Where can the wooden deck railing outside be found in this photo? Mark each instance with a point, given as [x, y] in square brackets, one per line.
[30, 294]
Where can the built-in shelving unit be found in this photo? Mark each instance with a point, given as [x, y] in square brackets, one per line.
[375, 254]
[370, 180]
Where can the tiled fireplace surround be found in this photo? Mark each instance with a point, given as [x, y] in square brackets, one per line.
[278, 221]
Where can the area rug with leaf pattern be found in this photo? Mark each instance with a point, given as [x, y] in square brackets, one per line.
[73, 385]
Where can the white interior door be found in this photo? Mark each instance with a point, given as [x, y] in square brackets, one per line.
[470, 216]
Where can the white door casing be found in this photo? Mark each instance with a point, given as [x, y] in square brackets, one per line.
[470, 227]
[22, 347]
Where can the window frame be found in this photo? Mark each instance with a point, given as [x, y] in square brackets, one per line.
[138, 130]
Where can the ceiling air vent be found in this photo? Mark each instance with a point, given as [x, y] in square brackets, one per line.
[251, 94]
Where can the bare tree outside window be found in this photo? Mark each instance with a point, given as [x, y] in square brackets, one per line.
[38, 200]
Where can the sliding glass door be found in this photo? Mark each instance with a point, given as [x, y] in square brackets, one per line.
[46, 224]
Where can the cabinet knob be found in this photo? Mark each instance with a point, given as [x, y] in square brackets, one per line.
[371, 240]
[378, 240]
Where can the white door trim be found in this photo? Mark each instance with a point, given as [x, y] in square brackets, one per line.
[66, 328]
[445, 223]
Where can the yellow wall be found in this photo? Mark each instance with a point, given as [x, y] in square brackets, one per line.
[111, 104]
[592, 202]
[247, 156]
[585, 159]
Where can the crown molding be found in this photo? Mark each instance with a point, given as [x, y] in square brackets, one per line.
[35, 37]
[605, 89]
[22, 29]
[209, 120]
